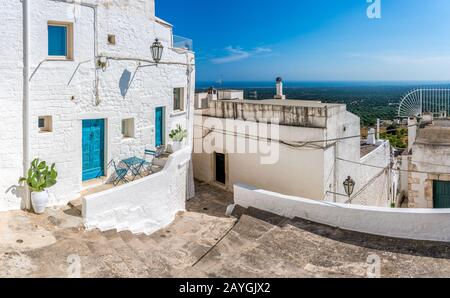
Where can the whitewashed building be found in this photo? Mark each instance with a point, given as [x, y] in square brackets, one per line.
[425, 166]
[293, 147]
[79, 88]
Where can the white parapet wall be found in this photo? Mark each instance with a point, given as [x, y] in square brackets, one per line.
[145, 205]
[417, 224]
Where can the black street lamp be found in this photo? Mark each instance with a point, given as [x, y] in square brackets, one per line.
[157, 51]
[349, 186]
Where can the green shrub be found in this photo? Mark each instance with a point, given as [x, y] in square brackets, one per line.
[178, 134]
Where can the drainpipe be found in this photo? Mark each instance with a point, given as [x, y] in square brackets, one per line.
[26, 204]
[190, 190]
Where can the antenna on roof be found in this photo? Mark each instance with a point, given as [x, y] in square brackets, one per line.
[220, 81]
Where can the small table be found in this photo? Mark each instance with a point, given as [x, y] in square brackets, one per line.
[134, 165]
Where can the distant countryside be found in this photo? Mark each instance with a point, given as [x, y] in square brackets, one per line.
[369, 101]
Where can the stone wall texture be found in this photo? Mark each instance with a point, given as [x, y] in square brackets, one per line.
[426, 165]
[66, 90]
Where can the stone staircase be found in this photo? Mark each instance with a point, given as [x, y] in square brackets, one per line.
[124, 254]
[163, 253]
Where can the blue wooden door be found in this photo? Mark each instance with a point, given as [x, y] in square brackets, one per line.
[441, 194]
[93, 149]
[159, 126]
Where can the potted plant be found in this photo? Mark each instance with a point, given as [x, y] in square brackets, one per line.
[178, 135]
[40, 177]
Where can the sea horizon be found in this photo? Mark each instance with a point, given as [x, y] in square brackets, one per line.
[323, 83]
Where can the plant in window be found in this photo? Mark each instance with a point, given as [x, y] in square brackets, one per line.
[40, 177]
[178, 135]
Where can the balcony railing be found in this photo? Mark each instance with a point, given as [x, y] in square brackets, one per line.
[183, 43]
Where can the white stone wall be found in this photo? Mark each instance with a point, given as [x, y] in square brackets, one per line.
[11, 104]
[343, 126]
[372, 183]
[372, 176]
[418, 224]
[269, 165]
[314, 171]
[66, 90]
[425, 166]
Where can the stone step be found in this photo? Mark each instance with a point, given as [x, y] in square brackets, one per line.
[127, 236]
[134, 242]
[145, 252]
[101, 247]
[245, 236]
[110, 234]
[129, 257]
[77, 205]
[107, 226]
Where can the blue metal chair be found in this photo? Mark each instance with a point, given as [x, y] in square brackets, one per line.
[148, 164]
[154, 154]
[120, 174]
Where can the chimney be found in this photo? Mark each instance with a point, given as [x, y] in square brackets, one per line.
[378, 128]
[279, 94]
[427, 119]
[371, 139]
[212, 94]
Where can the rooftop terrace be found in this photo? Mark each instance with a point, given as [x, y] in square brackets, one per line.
[434, 135]
[286, 102]
[300, 113]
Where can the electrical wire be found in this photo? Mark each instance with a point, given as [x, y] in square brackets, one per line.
[298, 144]
[303, 143]
[397, 170]
[289, 144]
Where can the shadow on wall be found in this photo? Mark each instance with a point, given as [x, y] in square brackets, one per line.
[124, 82]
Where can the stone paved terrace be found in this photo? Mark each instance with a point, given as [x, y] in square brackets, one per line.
[203, 242]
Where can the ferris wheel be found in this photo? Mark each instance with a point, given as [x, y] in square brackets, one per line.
[425, 100]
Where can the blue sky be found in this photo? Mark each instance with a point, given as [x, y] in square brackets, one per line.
[320, 40]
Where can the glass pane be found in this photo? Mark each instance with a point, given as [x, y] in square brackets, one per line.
[124, 127]
[177, 99]
[57, 40]
[41, 123]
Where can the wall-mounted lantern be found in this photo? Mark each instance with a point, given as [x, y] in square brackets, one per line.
[349, 186]
[157, 51]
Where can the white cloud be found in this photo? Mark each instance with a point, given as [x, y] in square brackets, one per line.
[402, 59]
[235, 54]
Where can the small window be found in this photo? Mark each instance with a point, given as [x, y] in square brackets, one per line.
[178, 99]
[128, 128]
[45, 124]
[111, 39]
[60, 40]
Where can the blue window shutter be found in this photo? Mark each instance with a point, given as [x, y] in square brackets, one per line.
[57, 40]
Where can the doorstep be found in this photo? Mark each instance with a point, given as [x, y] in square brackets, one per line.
[86, 185]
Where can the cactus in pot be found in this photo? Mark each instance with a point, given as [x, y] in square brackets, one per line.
[39, 178]
[178, 135]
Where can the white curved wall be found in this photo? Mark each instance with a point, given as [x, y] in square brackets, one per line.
[142, 206]
[418, 224]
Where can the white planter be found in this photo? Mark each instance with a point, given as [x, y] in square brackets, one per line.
[39, 200]
[176, 146]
